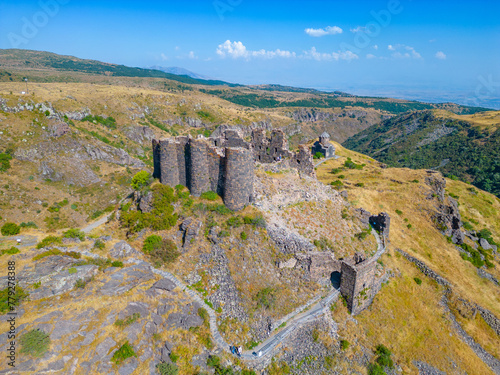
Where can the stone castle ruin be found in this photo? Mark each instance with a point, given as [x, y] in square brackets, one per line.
[224, 164]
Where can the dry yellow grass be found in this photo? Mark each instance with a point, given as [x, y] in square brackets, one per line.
[485, 120]
[414, 327]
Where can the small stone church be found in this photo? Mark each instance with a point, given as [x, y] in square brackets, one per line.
[324, 146]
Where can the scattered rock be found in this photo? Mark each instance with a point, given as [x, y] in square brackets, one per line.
[123, 250]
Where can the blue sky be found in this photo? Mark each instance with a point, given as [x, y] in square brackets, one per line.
[435, 50]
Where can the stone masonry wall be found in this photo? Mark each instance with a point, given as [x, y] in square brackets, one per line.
[357, 284]
[238, 187]
[198, 170]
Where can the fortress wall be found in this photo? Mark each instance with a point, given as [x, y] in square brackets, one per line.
[182, 160]
[169, 168]
[198, 171]
[357, 284]
[303, 161]
[216, 169]
[238, 187]
[156, 159]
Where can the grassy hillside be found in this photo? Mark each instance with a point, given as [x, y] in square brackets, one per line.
[460, 149]
[406, 316]
[26, 59]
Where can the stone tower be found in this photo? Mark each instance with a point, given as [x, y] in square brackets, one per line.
[198, 171]
[238, 186]
[357, 283]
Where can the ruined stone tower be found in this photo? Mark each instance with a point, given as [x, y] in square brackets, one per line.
[357, 283]
[202, 166]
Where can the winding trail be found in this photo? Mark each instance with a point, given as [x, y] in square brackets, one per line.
[313, 309]
[325, 160]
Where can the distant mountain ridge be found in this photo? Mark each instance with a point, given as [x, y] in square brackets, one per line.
[18, 58]
[179, 72]
[18, 63]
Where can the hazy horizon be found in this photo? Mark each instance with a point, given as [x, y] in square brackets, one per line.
[430, 51]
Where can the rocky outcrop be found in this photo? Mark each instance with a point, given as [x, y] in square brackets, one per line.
[190, 229]
[288, 242]
[123, 250]
[139, 134]
[447, 216]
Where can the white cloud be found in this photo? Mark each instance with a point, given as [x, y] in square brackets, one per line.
[359, 29]
[334, 56]
[177, 48]
[410, 53]
[370, 56]
[164, 57]
[237, 50]
[375, 47]
[330, 30]
[440, 55]
[192, 55]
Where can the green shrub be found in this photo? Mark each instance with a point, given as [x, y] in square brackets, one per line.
[140, 180]
[50, 240]
[409, 226]
[224, 234]
[315, 335]
[174, 357]
[468, 225]
[130, 320]
[15, 300]
[52, 252]
[365, 233]
[384, 356]
[29, 224]
[5, 162]
[10, 229]
[117, 263]
[344, 344]
[162, 216]
[74, 233]
[210, 196]
[161, 251]
[151, 243]
[80, 284]
[99, 244]
[318, 155]
[219, 208]
[375, 369]
[72, 270]
[415, 181]
[243, 236]
[35, 343]
[399, 212]
[352, 165]
[126, 351]
[266, 297]
[336, 184]
[167, 368]
[360, 184]
[13, 250]
[417, 280]
[234, 222]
